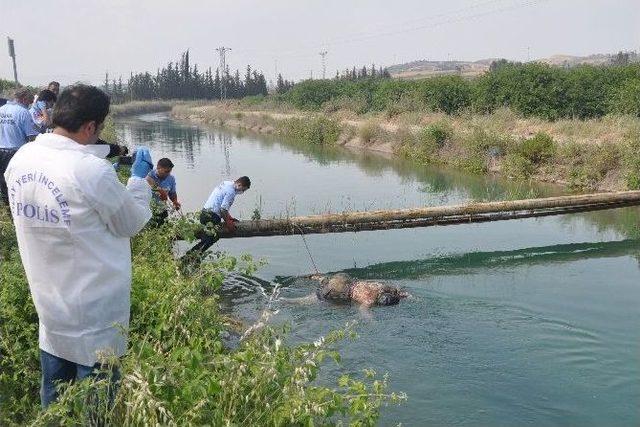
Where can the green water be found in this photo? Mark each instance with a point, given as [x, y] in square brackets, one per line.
[528, 322]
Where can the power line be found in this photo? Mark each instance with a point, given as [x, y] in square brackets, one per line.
[447, 18]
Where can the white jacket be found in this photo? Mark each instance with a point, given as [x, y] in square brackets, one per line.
[73, 220]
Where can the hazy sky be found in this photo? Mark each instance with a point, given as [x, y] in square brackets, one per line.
[78, 40]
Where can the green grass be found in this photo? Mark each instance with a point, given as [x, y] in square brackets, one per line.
[312, 129]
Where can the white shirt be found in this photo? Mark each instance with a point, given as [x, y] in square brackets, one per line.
[73, 220]
[221, 197]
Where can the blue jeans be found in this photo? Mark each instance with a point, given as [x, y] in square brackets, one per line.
[56, 369]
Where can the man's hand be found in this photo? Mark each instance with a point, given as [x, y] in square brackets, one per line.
[177, 205]
[230, 225]
[142, 164]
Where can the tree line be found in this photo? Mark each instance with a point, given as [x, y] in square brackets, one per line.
[181, 80]
[532, 89]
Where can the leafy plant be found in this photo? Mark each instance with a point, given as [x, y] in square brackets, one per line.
[178, 370]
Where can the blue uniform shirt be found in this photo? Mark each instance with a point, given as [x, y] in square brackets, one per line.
[16, 125]
[168, 184]
[221, 197]
[36, 110]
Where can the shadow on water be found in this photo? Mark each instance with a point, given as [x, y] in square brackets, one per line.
[470, 262]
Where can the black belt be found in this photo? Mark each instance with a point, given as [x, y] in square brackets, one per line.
[8, 149]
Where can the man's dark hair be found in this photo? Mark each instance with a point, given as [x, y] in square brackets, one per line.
[165, 163]
[22, 93]
[244, 181]
[78, 105]
[54, 83]
[47, 96]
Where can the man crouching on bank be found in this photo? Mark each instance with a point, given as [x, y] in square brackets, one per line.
[73, 222]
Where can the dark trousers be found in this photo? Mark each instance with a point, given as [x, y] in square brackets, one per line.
[159, 218]
[206, 240]
[56, 369]
[5, 155]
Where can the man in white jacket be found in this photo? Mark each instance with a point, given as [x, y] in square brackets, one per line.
[73, 220]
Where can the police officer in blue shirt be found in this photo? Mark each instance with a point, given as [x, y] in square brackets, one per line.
[215, 210]
[16, 129]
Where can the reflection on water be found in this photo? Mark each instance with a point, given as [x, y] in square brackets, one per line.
[528, 322]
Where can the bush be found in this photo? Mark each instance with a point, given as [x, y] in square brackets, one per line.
[532, 90]
[314, 129]
[407, 103]
[449, 94]
[178, 370]
[436, 135]
[631, 163]
[626, 99]
[517, 166]
[356, 104]
[538, 149]
[369, 131]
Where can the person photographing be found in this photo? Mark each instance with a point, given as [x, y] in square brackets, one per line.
[73, 221]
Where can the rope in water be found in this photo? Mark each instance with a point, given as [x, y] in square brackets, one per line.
[304, 240]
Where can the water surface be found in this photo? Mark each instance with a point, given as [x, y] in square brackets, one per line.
[525, 322]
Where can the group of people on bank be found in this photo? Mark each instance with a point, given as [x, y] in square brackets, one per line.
[74, 219]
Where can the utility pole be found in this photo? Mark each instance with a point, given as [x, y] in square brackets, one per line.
[223, 71]
[323, 54]
[12, 54]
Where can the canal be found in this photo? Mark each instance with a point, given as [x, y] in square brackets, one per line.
[527, 322]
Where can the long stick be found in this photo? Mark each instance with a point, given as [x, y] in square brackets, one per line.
[430, 216]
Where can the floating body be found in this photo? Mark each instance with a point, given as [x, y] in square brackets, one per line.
[341, 288]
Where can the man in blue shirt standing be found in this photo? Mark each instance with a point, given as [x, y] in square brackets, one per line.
[16, 129]
[216, 210]
[163, 185]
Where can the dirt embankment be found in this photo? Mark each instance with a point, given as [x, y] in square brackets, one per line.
[266, 122]
[600, 154]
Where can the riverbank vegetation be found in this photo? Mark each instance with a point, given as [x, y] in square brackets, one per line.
[579, 127]
[530, 90]
[599, 153]
[181, 368]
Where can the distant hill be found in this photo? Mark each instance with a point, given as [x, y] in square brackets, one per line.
[425, 68]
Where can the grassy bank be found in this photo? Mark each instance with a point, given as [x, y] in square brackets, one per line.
[595, 154]
[141, 107]
[178, 370]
